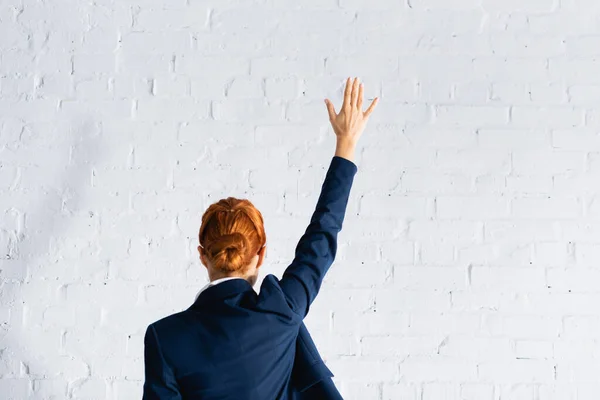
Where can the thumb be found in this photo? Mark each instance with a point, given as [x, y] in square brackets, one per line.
[330, 110]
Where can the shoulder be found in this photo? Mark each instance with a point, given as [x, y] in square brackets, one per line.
[272, 299]
[270, 286]
[269, 280]
[170, 323]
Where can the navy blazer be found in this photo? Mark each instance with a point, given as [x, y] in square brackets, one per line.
[233, 343]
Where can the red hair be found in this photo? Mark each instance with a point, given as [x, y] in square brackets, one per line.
[231, 233]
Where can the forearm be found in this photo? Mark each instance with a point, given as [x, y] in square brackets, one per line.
[316, 250]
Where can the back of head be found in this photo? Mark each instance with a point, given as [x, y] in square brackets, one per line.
[232, 232]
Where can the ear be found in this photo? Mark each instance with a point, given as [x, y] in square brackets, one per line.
[202, 256]
[261, 256]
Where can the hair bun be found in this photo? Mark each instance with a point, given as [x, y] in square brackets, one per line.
[229, 252]
[236, 241]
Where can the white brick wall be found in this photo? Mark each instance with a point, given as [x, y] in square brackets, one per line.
[469, 262]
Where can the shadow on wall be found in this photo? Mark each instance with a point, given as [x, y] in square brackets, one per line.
[49, 241]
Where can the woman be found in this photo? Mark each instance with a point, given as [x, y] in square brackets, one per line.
[234, 344]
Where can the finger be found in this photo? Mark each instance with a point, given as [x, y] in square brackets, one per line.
[330, 110]
[371, 107]
[354, 93]
[347, 94]
[360, 97]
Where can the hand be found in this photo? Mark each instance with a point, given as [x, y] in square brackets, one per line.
[349, 124]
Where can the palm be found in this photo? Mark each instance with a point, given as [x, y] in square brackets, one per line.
[351, 120]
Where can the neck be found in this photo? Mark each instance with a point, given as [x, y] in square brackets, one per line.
[215, 276]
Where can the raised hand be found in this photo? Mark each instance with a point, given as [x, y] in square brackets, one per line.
[349, 124]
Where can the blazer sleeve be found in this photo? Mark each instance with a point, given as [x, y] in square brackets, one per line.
[160, 383]
[316, 249]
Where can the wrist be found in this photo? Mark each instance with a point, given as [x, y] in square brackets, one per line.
[345, 149]
[344, 142]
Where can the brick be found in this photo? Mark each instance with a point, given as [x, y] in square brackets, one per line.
[470, 208]
[508, 279]
[546, 207]
[534, 6]
[399, 346]
[512, 138]
[437, 368]
[478, 116]
[477, 391]
[549, 117]
[191, 17]
[403, 390]
[396, 300]
[396, 205]
[363, 370]
[522, 371]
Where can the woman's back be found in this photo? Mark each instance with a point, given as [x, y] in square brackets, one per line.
[234, 344]
[228, 342]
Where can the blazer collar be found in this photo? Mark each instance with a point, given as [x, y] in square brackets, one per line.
[221, 291]
[215, 282]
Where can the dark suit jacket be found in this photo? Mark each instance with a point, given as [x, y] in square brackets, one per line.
[232, 343]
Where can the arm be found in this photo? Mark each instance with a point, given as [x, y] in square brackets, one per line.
[160, 383]
[317, 247]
